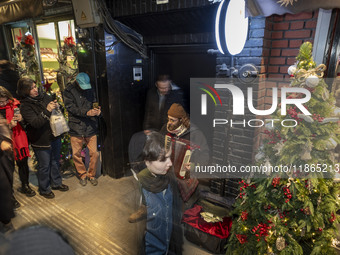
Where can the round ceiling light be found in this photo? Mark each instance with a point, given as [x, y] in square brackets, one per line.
[231, 26]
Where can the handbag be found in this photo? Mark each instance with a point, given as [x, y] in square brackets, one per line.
[187, 187]
[58, 123]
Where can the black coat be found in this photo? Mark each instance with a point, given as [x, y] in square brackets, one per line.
[6, 177]
[37, 120]
[154, 117]
[78, 102]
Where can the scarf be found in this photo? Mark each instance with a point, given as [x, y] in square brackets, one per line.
[153, 183]
[178, 131]
[20, 143]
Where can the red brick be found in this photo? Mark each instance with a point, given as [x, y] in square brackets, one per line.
[281, 26]
[263, 69]
[261, 93]
[295, 43]
[275, 52]
[267, 43]
[269, 92]
[289, 52]
[298, 16]
[311, 24]
[267, 33]
[277, 35]
[277, 61]
[273, 69]
[283, 69]
[269, 85]
[298, 34]
[268, 100]
[278, 18]
[280, 44]
[269, 25]
[291, 61]
[297, 25]
[316, 14]
[265, 52]
[280, 76]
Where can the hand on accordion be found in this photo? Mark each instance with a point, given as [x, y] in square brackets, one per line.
[187, 166]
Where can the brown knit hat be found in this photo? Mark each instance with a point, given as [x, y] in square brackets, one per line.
[177, 111]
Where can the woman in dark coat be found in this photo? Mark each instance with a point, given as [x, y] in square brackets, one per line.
[6, 173]
[8, 110]
[36, 108]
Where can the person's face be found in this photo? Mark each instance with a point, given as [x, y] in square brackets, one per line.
[3, 101]
[173, 123]
[34, 91]
[163, 87]
[160, 167]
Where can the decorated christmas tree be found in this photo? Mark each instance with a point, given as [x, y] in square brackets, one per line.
[294, 212]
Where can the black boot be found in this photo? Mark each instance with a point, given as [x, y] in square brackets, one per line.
[15, 202]
[26, 189]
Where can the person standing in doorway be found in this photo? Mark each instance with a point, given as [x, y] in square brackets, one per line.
[158, 101]
[83, 115]
[36, 109]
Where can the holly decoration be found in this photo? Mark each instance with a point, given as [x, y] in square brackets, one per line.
[25, 57]
[67, 70]
[293, 212]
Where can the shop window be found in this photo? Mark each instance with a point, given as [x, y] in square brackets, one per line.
[51, 37]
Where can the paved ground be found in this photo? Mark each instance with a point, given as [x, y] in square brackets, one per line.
[93, 218]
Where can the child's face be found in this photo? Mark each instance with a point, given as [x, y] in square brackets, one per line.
[160, 167]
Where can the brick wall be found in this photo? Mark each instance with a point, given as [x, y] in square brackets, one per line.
[272, 46]
[282, 40]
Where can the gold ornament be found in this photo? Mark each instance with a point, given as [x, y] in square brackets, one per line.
[303, 74]
[280, 243]
[286, 2]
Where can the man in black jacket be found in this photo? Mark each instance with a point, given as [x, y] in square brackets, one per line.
[83, 122]
[158, 101]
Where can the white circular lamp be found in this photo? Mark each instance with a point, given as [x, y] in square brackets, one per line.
[231, 26]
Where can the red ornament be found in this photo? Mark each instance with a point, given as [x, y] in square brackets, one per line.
[29, 40]
[332, 219]
[69, 41]
[244, 215]
[241, 238]
[276, 181]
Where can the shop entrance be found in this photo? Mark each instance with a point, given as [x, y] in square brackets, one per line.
[183, 63]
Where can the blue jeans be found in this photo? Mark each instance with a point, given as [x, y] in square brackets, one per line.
[48, 167]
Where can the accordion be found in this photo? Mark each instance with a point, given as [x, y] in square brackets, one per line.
[181, 153]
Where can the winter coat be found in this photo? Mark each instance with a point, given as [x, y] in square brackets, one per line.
[78, 102]
[6, 175]
[37, 120]
[194, 135]
[154, 117]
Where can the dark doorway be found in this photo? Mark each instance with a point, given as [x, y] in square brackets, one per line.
[183, 63]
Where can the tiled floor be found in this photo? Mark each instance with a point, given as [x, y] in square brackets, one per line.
[93, 218]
